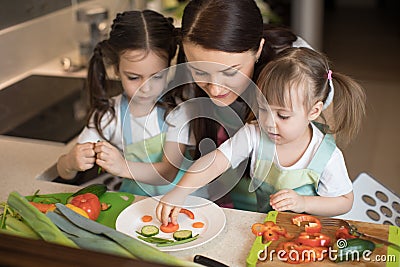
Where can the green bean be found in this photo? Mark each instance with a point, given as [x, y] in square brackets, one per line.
[178, 242]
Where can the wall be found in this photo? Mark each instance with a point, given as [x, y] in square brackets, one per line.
[31, 43]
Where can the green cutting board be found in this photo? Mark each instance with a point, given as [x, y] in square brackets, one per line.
[118, 200]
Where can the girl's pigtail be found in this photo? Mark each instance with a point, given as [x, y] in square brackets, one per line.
[99, 100]
[348, 107]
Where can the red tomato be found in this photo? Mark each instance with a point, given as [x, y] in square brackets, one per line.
[170, 228]
[88, 202]
[313, 226]
[314, 240]
[188, 213]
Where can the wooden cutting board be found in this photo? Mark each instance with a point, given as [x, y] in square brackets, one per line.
[285, 219]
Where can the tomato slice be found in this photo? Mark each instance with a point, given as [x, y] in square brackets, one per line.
[313, 226]
[188, 213]
[314, 240]
[169, 228]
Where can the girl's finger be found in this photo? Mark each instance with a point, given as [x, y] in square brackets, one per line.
[166, 210]
[174, 215]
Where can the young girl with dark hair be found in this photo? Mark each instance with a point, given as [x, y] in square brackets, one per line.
[295, 163]
[137, 134]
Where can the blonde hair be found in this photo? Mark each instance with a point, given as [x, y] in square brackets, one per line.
[308, 68]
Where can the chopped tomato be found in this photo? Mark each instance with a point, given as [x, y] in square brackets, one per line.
[314, 240]
[344, 233]
[198, 225]
[169, 228]
[313, 226]
[188, 213]
[88, 202]
[147, 218]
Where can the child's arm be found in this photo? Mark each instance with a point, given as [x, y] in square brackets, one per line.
[288, 199]
[158, 173]
[80, 158]
[203, 171]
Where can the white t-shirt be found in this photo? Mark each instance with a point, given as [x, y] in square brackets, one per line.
[142, 127]
[334, 180]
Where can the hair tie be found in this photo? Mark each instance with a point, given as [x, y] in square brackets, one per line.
[331, 93]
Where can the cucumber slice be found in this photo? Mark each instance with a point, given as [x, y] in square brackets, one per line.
[182, 235]
[149, 230]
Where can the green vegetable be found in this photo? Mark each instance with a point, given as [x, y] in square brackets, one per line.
[149, 230]
[178, 242]
[97, 189]
[353, 250]
[38, 221]
[14, 225]
[85, 239]
[182, 235]
[155, 240]
[135, 247]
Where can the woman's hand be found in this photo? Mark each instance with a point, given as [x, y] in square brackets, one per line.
[288, 199]
[110, 159]
[169, 207]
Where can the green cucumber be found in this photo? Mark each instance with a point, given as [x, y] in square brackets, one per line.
[353, 249]
[97, 189]
[182, 235]
[149, 230]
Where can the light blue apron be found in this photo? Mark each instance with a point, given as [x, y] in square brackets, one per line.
[269, 179]
[149, 150]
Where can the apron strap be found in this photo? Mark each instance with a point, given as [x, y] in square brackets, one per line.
[126, 121]
[323, 154]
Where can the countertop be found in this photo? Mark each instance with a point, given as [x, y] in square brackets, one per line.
[23, 160]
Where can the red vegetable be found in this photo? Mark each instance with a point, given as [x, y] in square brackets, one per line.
[314, 240]
[343, 233]
[43, 207]
[88, 202]
[313, 226]
[188, 213]
[198, 225]
[294, 253]
[269, 230]
[147, 218]
[170, 228]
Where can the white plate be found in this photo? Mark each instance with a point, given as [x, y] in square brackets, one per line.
[130, 220]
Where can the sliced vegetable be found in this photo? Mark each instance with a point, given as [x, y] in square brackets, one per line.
[105, 206]
[313, 224]
[182, 235]
[149, 230]
[354, 248]
[42, 207]
[169, 228]
[188, 213]
[77, 210]
[38, 221]
[135, 247]
[313, 240]
[88, 202]
[198, 225]
[269, 230]
[178, 242]
[147, 218]
[155, 240]
[343, 233]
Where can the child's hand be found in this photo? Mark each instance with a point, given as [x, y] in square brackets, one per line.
[81, 157]
[110, 158]
[287, 199]
[166, 209]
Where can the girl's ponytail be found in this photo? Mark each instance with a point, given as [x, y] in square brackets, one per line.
[98, 97]
[348, 107]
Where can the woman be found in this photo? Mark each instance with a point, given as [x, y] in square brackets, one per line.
[230, 35]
